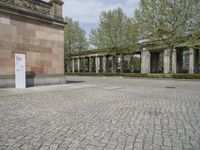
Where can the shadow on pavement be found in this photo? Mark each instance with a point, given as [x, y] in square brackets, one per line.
[72, 82]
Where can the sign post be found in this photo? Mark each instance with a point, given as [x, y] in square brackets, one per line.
[20, 71]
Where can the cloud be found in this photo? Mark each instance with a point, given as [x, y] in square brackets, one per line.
[88, 11]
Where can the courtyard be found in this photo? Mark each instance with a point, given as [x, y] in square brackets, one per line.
[102, 113]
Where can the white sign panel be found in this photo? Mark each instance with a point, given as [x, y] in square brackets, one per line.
[20, 71]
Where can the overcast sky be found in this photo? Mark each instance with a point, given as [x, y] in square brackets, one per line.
[87, 11]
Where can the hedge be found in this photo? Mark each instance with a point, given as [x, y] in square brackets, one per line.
[176, 76]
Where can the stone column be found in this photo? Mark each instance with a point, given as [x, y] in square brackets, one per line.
[191, 60]
[104, 64]
[90, 63]
[114, 66]
[73, 65]
[78, 64]
[97, 64]
[167, 61]
[145, 61]
[122, 63]
[174, 61]
[196, 62]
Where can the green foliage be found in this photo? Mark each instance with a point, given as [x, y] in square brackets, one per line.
[136, 64]
[74, 40]
[168, 21]
[115, 32]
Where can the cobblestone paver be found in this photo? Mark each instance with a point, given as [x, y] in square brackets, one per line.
[117, 113]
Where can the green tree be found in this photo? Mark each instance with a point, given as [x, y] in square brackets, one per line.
[168, 22]
[115, 31]
[75, 38]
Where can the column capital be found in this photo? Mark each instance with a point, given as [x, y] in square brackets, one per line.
[144, 49]
[174, 49]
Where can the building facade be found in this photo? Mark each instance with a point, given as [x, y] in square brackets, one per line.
[34, 28]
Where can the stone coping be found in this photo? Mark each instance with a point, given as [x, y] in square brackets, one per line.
[31, 5]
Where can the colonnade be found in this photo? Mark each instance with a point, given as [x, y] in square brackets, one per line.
[99, 63]
[150, 62]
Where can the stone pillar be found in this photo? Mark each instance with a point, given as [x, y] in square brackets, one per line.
[174, 61]
[196, 62]
[97, 64]
[191, 61]
[145, 61]
[84, 68]
[73, 65]
[90, 63]
[167, 61]
[56, 9]
[104, 64]
[114, 66]
[78, 64]
[122, 63]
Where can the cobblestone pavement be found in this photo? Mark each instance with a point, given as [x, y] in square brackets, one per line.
[102, 113]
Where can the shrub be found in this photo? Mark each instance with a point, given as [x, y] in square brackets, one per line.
[139, 75]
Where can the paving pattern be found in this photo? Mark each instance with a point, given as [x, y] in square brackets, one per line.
[102, 113]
